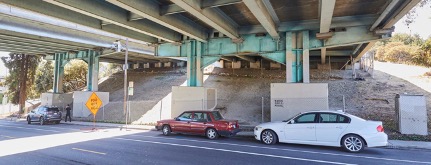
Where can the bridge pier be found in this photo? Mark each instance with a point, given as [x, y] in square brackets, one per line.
[91, 57]
[297, 57]
[93, 70]
[194, 70]
[59, 63]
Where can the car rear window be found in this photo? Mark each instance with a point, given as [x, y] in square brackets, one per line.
[53, 110]
[217, 115]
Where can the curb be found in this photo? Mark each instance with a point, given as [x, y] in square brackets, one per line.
[112, 126]
[390, 146]
[406, 148]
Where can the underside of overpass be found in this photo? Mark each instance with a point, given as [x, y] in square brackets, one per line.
[294, 33]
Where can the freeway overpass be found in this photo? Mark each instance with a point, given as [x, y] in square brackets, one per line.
[290, 32]
[294, 33]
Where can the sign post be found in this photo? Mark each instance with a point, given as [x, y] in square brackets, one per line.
[93, 104]
[130, 93]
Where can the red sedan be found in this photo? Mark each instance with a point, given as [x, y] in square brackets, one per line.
[208, 123]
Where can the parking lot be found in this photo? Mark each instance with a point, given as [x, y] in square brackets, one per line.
[77, 144]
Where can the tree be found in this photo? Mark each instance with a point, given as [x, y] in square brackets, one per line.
[75, 75]
[426, 48]
[44, 79]
[412, 14]
[22, 68]
[407, 39]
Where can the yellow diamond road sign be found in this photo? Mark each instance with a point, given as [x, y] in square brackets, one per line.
[93, 104]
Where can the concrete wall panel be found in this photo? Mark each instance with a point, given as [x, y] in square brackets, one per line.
[290, 99]
[80, 98]
[255, 65]
[56, 99]
[192, 98]
[236, 65]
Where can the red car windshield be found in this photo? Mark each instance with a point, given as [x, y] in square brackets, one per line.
[217, 115]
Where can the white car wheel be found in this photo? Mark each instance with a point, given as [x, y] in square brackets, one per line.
[269, 137]
[353, 143]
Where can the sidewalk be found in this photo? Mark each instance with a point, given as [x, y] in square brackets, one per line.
[395, 144]
[111, 125]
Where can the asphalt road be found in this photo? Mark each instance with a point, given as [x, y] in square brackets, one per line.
[73, 144]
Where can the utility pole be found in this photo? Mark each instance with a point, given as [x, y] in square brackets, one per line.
[125, 75]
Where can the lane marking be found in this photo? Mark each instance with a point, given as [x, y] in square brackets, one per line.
[29, 128]
[95, 152]
[293, 150]
[15, 124]
[45, 126]
[10, 137]
[234, 151]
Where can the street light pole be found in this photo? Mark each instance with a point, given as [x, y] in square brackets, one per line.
[125, 79]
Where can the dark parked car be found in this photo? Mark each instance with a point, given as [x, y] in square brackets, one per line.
[44, 114]
[208, 123]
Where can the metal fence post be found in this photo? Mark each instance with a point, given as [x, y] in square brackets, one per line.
[103, 112]
[344, 104]
[161, 108]
[10, 111]
[262, 110]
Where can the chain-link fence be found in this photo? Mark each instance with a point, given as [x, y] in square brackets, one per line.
[139, 112]
[285, 108]
[367, 63]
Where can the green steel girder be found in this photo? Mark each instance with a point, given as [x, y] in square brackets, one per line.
[352, 36]
[279, 57]
[61, 59]
[208, 60]
[254, 44]
[70, 55]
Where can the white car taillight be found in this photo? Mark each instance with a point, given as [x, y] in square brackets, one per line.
[380, 128]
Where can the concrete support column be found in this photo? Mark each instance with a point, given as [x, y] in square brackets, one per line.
[93, 71]
[323, 55]
[297, 57]
[199, 69]
[194, 70]
[58, 73]
[305, 57]
[290, 57]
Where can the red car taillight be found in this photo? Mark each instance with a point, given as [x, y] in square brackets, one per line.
[380, 128]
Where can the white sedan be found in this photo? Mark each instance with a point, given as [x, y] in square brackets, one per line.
[326, 128]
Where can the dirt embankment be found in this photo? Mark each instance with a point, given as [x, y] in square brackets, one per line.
[150, 86]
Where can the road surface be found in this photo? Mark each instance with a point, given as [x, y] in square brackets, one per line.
[21, 143]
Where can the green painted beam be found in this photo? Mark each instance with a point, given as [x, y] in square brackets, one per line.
[208, 60]
[253, 44]
[279, 57]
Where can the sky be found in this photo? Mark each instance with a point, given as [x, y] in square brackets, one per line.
[421, 26]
